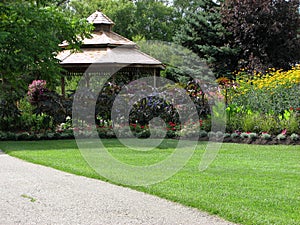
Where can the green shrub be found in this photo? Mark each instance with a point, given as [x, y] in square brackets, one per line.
[290, 121]
[250, 121]
[235, 135]
[10, 136]
[211, 134]
[281, 137]
[203, 133]
[244, 135]
[294, 137]
[266, 136]
[144, 134]
[226, 135]
[268, 123]
[3, 135]
[252, 136]
[219, 134]
[23, 136]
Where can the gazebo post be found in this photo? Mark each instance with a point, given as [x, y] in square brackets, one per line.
[154, 77]
[87, 79]
[63, 88]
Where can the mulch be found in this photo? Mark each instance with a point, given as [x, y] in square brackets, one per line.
[257, 141]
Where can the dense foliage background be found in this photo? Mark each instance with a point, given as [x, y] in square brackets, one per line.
[248, 44]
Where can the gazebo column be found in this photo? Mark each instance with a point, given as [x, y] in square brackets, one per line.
[63, 86]
[156, 73]
[154, 77]
[87, 79]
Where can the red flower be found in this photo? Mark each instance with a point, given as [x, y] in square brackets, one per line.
[291, 108]
[201, 123]
[172, 124]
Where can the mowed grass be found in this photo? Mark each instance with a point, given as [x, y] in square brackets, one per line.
[246, 184]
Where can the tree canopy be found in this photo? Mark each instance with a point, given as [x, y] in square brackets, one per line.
[204, 34]
[30, 34]
[149, 19]
[265, 31]
[251, 34]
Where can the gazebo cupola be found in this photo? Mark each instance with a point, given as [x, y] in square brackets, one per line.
[101, 22]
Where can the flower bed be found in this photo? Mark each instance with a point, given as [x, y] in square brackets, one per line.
[144, 132]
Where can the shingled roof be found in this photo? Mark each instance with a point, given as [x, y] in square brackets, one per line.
[105, 47]
[99, 18]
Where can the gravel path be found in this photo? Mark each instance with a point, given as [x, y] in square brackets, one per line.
[34, 194]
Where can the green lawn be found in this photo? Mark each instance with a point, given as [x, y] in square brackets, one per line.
[246, 184]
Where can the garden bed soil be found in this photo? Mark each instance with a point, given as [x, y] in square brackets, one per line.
[257, 141]
[55, 136]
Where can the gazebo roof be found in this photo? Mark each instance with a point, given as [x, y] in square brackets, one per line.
[99, 18]
[108, 56]
[105, 47]
[103, 39]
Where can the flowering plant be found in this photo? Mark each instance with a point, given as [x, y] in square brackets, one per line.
[36, 90]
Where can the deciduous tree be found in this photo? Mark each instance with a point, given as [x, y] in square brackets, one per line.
[265, 31]
[149, 19]
[30, 32]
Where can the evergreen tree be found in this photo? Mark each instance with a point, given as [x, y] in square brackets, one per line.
[204, 34]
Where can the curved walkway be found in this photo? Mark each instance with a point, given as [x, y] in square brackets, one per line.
[34, 194]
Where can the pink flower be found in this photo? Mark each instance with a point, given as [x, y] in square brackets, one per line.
[284, 132]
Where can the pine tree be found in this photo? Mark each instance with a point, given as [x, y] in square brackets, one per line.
[204, 34]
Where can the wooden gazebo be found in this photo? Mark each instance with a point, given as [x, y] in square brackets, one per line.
[106, 49]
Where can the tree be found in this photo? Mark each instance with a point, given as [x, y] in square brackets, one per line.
[155, 20]
[204, 34]
[122, 12]
[30, 34]
[123, 15]
[265, 31]
[149, 19]
[182, 6]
